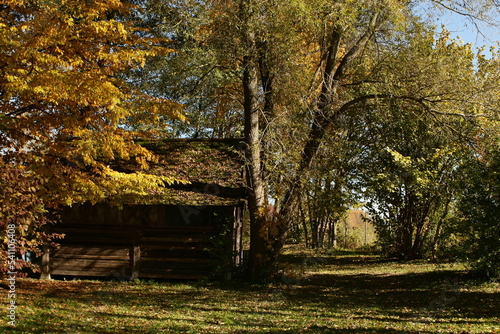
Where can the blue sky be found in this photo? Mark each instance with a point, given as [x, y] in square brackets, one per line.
[481, 35]
[478, 33]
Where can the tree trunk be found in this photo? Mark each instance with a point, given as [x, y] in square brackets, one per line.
[257, 199]
[332, 235]
[437, 234]
[304, 224]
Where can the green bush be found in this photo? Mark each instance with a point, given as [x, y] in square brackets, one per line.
[480, 208]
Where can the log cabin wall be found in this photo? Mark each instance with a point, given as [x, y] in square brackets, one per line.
[191, 229]
[147, 241]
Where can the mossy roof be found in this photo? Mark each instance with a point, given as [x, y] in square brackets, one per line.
[214, 170]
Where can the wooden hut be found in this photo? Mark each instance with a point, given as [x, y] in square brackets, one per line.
[190, 231]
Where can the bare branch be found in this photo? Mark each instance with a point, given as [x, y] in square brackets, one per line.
[459, 12]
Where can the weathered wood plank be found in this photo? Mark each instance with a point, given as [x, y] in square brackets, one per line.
[68, 257]
[87, 264]
[79, 249]
[95, 229]
[181, 229]
[186, 247]
[182, 239]
[148, 251]
[180, 260]
[88, 272]
[97, 242]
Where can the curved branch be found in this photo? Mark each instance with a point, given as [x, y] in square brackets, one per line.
[421, 101]
[23, 110]
[460, 12]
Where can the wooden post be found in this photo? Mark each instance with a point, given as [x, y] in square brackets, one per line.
[135, 255]
[45, 265]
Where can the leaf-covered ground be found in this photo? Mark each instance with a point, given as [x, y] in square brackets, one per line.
[319, 293]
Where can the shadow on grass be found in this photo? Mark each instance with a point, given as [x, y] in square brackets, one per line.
[442, 294]
[376, 301]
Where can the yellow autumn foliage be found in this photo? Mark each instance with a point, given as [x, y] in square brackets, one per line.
[64, 111]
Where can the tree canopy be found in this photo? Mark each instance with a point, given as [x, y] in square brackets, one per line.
[65, 110]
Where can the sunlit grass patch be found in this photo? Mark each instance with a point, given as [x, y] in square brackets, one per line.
[332, 293]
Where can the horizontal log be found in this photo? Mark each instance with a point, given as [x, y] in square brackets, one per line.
[145, 265]
[97, 251]
[178, 254]
[173, 266]
[180, 229]
[68, 257]
[174, 239]
[130, 229]
[92, 229]
[174, 260]
[154, 233]
[86, 238]
[90, 273]
[86, 264]
[172, 243]
[171, 247]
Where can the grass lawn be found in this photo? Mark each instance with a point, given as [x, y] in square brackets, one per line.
[321, 293]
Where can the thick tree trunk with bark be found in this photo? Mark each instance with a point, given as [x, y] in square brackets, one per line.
[257, 197]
